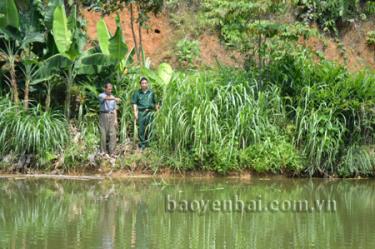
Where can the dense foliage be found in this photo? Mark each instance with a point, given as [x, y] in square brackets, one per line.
[288, 111]
[333, 15]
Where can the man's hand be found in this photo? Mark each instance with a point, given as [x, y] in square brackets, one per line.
[136, 116]
[112, 98]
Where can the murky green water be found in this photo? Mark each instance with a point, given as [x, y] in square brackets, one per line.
[41, 213]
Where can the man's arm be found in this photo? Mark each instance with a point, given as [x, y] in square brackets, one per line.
[112, 98]
[103, 98]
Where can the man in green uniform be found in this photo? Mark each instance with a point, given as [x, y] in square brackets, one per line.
[144, 104]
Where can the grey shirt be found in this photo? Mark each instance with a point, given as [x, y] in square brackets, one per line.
[106, 105]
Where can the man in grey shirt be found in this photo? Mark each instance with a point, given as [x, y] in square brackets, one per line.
[108, 120]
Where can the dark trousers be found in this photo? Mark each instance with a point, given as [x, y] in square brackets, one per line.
[144, 128]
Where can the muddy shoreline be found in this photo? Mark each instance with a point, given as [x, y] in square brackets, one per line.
[127, 174]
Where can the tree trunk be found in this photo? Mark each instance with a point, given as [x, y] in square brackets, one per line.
[48, 97]
[133, 32]
[67, 99]
[26, 97]
[13, 82]
[69, 82]
[140, 23]
[260, 63]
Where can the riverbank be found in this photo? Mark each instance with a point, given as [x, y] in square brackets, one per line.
[105, 171]
[129, 162]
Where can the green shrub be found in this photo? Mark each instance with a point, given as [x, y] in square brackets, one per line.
[187, 51]
[275, 155]
[84, 145]
[328, 14]
[371, 38]
[216, 157]
[31, 132]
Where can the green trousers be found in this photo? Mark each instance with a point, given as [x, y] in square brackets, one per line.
[144, 128]
[107, 125]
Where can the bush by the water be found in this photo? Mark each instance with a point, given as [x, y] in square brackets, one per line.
[304, 119]
[31, 132]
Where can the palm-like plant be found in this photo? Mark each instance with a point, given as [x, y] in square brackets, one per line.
[10, 56]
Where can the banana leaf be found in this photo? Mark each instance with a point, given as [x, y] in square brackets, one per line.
[103, 36]
[9, 14]
[117, 47]
[61, 33]
[165, 72]
[98, 59]
[48, 13]
[33, 37]
[53, 65]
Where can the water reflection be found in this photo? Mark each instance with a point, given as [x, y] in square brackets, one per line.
[107, 214]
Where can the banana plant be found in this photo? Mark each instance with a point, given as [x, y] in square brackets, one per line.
[73, 59]
[67, 55]
[20, 28]
[114, 50]
[70, 43]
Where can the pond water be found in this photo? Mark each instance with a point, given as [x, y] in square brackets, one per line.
[180, 213]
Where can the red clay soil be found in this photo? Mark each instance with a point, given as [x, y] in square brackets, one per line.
[159, 39]
[212, 51]
[359, 55]
[155, 39]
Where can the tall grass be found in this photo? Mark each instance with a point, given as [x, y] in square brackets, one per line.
[313, 113]
[357, 160]
[211, 116]
[32, 132]
[332, 111]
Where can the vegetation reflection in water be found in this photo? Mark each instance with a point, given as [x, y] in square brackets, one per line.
[37, 213]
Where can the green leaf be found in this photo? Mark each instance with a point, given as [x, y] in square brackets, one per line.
[61, 33]
[165, 72]
[117, 47]
[50, 9]
[98, 59]
[33, 37]
[103, 36]
[53, 64]
[9, 14]
[73, 53]
[72, 19]
[86, 69]
[11, 32]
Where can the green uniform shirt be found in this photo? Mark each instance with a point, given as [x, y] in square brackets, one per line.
[144, 100]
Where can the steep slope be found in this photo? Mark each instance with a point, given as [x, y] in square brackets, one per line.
[161, 36]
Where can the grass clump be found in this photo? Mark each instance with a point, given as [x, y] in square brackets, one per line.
[31, 132]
